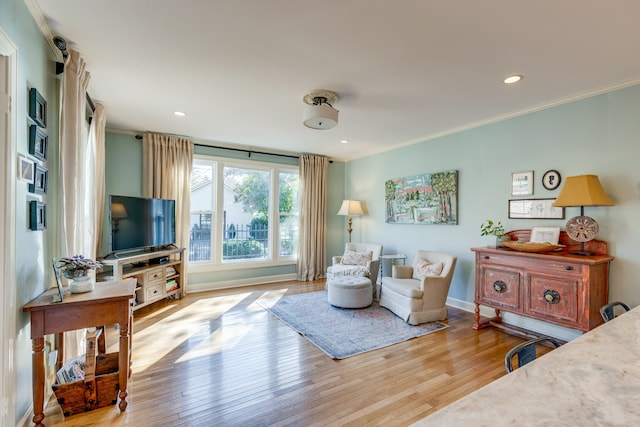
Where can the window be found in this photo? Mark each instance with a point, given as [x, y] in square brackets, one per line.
[243, 211]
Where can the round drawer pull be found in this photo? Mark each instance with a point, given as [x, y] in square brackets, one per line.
[485, 257]
[568, 268]
[552, 297]
[499, 286]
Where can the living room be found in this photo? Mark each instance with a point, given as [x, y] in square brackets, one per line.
[593, 132]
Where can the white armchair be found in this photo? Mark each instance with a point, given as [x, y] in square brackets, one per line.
[420, 297]
[367, 268]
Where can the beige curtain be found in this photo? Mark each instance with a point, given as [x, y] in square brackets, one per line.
[166, 174]
[79, 183]
[97, 144]
[313, 217]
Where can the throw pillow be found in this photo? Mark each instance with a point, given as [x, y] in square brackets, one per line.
[356, 258]
[423, 268]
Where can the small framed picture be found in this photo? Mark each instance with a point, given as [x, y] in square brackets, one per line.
[551, 179]
[522, 183]
[38, 142]
[25, 169]
[37, 108]
[37, 215]
[39, 184]
[534, 209]
[545, 234]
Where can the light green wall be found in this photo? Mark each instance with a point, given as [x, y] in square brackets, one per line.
[598, 135]
[33, 249]
[124, 177]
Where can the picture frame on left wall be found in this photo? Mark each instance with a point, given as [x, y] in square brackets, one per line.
[38, 143]
[37, 215]
[25, 169]
[37, 108]
[40, 178]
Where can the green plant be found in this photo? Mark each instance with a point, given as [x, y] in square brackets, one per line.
[76, 266]
[490, 228]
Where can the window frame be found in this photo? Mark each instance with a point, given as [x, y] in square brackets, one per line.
[274, 259]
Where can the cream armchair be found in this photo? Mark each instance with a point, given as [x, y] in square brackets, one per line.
[363, 268]
[422, 299]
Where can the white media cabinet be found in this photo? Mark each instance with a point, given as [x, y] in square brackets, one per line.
[159, 273]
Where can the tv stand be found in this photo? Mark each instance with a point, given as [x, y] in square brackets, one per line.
[159, 273]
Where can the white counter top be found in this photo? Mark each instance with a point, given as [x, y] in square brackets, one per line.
[593, 380]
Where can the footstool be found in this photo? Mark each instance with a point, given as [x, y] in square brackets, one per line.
[350, 291]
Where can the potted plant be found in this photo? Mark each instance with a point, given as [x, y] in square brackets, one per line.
[490, 228]
[77, 269]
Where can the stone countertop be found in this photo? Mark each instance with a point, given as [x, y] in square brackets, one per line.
[593, 380]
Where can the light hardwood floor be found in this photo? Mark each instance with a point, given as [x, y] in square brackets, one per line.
[219, 359]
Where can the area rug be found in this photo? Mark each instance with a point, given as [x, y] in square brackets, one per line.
[344, 332]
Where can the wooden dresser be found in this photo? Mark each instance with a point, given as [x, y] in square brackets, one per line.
[556, 287]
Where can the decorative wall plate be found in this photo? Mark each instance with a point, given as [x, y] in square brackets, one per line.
[582, 228]
[551, 179]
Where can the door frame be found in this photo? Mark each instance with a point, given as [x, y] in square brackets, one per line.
[8, 156]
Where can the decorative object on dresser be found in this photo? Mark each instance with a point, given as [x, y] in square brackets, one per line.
[555, 287]
[582, 190]
[351, 208]
[490, 228]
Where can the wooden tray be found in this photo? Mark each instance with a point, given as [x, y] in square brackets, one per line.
[531, 246]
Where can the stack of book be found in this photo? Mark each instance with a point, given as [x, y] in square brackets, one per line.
[172, 285]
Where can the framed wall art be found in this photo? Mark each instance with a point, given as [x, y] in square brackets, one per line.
[551, 179]
[39, 184]
[430, 198]
[37, 215]
[37, 108]
[534, 209]
[25, 169]
[38, 142]
[522, 183]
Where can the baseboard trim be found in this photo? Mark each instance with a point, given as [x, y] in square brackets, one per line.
[237, 283]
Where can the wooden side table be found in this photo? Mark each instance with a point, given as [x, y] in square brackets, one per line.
[108, 303]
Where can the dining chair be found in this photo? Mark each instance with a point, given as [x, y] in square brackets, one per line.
[608, 311]
[527, 351]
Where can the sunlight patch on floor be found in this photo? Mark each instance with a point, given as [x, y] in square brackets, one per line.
[182, 325]
[220, 340]
[268, 299]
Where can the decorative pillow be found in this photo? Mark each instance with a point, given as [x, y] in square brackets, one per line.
[423, 268]
[356, 258]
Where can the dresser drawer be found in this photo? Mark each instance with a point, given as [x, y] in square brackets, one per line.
[560, 267]
[500, 287]
[552, 298]
[153, 292]
[153, 276]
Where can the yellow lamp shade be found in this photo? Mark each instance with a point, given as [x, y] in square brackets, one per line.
[582, 190]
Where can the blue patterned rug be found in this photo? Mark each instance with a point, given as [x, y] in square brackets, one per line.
[344, 332]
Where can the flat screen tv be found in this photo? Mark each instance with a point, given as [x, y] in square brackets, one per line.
[141, 223]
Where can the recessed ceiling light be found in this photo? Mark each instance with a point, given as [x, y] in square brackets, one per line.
[513, 79]
[344, 141]
[179, 113]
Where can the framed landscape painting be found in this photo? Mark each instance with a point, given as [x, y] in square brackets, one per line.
[430, 198]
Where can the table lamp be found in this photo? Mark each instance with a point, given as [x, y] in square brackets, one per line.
[582, 190]
[351, 208]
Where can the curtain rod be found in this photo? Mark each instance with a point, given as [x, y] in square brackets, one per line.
[245, 150]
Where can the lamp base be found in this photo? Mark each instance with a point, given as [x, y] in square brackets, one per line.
[581, 253]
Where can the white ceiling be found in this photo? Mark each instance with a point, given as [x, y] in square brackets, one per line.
[406, 70]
